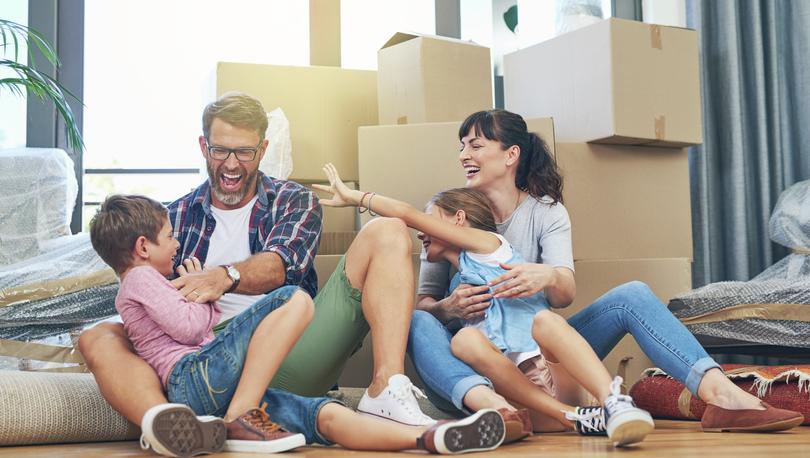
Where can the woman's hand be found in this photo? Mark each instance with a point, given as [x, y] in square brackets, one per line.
[522, 280]
[342, 196]
[466, 302]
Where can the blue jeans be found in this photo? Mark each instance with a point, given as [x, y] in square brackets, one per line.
[631, 307]
[206, 379]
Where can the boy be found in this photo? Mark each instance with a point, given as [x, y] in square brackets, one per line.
[228, 375]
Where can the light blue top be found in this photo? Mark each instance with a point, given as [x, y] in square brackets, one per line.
[507, 322]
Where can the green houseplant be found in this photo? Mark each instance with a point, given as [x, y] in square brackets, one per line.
[26, 77]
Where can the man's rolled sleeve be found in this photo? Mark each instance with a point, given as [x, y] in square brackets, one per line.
[296, 231]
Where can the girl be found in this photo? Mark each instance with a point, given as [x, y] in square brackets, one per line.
[458, 227]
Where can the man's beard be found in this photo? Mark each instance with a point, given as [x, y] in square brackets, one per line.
[226, 197]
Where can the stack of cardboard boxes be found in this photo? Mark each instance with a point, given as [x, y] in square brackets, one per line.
[625, 100]
[395, 132]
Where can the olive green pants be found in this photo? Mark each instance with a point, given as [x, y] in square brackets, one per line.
[337, 331]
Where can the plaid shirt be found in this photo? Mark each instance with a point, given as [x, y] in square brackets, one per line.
[285, 220]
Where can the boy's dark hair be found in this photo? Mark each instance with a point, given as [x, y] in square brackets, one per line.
[118, 224]
[474, 203]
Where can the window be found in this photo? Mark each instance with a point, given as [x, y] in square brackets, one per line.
[365, 25]
[13, 107]
[150, 70]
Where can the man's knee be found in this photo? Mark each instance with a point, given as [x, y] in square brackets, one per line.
[96, 342]
[388, 233]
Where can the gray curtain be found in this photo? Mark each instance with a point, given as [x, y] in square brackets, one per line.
[755, 72]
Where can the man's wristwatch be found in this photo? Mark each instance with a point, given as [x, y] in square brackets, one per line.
[233, 274]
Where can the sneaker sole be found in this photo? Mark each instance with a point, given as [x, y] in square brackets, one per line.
[176, 431]
[629, 428]
[484, 430]
[274, 446]
[769, 427]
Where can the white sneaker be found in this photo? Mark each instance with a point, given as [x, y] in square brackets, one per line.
[397, 402]
[626, 423]
[174, 430]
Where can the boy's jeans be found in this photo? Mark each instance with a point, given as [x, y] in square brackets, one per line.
[631, 307]
[206, 379]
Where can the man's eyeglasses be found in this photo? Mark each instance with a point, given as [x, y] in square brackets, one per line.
[220, 153]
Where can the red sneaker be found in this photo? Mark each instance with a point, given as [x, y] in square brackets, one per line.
[254, 432]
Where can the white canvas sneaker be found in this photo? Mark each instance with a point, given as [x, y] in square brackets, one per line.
[626, 423]
[397, 402]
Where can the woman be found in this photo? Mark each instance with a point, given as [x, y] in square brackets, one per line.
[515, 170]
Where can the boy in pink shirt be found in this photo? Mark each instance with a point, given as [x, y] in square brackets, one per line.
[228, 375]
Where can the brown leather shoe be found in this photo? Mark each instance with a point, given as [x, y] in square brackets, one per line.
[253, 432]
[716, 419]
[483, 430]
[518, 424]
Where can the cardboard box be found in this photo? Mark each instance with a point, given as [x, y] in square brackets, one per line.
[336, 243]
[325, 106]
[414, 162]
[344, 219]
[360, 367]
[627, 201]
[424, 78]
[666, 278]
[616, 81]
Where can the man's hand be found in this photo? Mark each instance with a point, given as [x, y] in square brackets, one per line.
[201, 285]
[466, 302]
[522, 280]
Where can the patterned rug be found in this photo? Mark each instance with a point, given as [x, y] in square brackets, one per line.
[786, 387]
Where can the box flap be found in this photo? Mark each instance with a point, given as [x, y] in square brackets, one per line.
[401, 37]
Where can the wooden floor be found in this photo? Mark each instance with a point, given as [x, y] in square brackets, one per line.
[670, 439]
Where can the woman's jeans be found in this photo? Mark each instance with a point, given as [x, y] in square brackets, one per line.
[631, 307]
[206, 379]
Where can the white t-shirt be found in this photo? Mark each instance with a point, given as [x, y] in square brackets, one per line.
[230, 243]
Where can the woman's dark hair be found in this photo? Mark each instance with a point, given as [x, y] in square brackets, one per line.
[474, 203]
[537, 171]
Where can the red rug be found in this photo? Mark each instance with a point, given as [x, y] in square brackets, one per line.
[786, 387]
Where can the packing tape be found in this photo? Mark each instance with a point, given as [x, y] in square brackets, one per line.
[655, 37]
[780, 312]
[51, 288]
[660, 127]
[40, 352]
[402, 120]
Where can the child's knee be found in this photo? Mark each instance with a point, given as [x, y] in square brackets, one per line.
[302, 305]
[546, 323]
[465, 343]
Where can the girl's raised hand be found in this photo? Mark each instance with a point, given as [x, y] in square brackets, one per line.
[342, 196]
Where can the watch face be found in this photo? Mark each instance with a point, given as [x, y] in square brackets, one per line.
[233, 273]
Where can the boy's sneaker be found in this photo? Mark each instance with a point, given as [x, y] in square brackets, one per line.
[626, 423]
[483, 430]
[396, 402]
[518, 424]
[174, 430]
[254, 432]
[588, 421]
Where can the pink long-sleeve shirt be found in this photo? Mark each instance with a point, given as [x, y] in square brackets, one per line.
[162, 324]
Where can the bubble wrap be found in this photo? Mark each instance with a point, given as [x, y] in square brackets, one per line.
[39, 191]
[786, 282]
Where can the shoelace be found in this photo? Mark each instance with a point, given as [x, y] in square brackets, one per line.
[259, 419]
[616, 397]
[590, 419]
[409, 392]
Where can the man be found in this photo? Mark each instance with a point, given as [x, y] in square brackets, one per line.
[253, 234]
